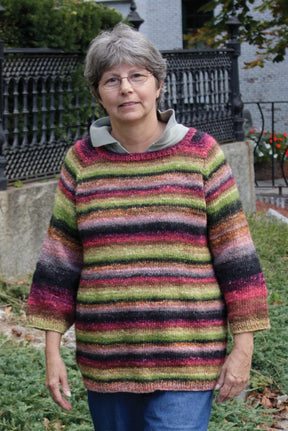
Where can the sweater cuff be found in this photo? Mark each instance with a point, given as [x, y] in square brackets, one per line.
[47, 325]
[249, 326]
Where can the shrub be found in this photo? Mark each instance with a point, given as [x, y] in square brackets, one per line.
[58, 24]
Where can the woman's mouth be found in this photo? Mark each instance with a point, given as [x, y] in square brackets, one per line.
[127, 104]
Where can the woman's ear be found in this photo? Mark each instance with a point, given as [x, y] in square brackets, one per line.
[159, 89]
[99, 100]
[96, 94]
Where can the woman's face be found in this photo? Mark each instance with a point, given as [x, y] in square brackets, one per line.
[129, 101]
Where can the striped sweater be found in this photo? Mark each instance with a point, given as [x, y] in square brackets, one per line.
[150, 255]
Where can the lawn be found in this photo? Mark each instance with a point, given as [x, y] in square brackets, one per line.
[26, 406]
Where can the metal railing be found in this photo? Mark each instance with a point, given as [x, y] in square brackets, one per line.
[273, 170]
[44, 111]
[198, 88]
[46, 106]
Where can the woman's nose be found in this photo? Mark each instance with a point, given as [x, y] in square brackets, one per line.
[125, 85]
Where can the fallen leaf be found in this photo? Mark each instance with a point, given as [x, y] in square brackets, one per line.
[266, 403]
[46, 423]
[8, 309]
[16, 332]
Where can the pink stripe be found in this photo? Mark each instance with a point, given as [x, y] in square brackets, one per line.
[219, 189]
[260, 309]
[65, 191]
[162, 180]
[246, 293]
[166, 237]
[149, 363]
[161, 217]
[144, 280]
[175, 324]
[149, 192]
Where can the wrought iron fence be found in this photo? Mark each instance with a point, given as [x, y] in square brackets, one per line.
[41, 111]
[46, 106]
[198, 88]
[270, 145]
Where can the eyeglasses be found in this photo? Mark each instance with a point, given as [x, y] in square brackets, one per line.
[134, 78]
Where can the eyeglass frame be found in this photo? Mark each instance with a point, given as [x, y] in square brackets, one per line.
[128, 77]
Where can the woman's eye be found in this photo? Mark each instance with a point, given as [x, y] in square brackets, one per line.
[111, 80]
[137, 76]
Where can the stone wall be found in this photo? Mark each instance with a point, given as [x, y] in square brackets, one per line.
[24, 216]
[25, 212]
[240, 156]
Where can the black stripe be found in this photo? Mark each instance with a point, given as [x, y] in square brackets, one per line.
[103, 301]
[147, 260]
[224, 212]
[146, 227]
[157, 356]
[229, 272]
[163, 315]
[64, 228]
[163, 273]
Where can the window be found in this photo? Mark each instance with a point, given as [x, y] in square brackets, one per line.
[192, 18]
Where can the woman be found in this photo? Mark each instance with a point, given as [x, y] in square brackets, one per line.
[148, 252]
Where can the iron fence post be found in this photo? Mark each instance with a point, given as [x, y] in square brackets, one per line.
[3, 179]
[133, 16]
[233, 24]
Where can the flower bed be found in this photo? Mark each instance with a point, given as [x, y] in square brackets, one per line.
[269, 148]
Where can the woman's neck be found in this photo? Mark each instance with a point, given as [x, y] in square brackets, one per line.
[137, 138]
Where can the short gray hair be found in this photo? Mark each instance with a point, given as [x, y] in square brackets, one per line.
[122, 45]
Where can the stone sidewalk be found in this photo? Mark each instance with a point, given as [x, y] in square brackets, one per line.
[276, 194]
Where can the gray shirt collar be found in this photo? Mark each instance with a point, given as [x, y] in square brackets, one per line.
[173, 133]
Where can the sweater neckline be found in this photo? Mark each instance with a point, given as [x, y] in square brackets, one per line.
[146, 155]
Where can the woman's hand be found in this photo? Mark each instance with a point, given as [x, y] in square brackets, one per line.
[235, 372]
[56, 374]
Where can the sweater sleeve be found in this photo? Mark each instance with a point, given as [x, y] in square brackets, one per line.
[51, 303]
[236, 263]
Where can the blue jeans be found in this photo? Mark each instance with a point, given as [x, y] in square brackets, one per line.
[157, 411]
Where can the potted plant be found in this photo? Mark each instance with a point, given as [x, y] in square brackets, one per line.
[269, 149]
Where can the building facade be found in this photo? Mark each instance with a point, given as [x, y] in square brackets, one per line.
[162, 20]
[164, 24]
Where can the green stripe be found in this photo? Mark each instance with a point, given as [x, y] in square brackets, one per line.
[134, 253]
[159, 293]
[158, 377]
[133, 201]
[135, 169]
[180, 335]
[64, 211]
[213, 164]
[227, 199]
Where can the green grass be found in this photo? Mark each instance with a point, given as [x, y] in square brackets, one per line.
[26, 406]
[24, 401]
[271, 347]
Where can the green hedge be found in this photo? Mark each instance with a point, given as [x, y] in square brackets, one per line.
[59, 24]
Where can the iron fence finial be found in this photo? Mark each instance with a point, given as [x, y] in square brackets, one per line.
[133, 16]
[3, 179]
